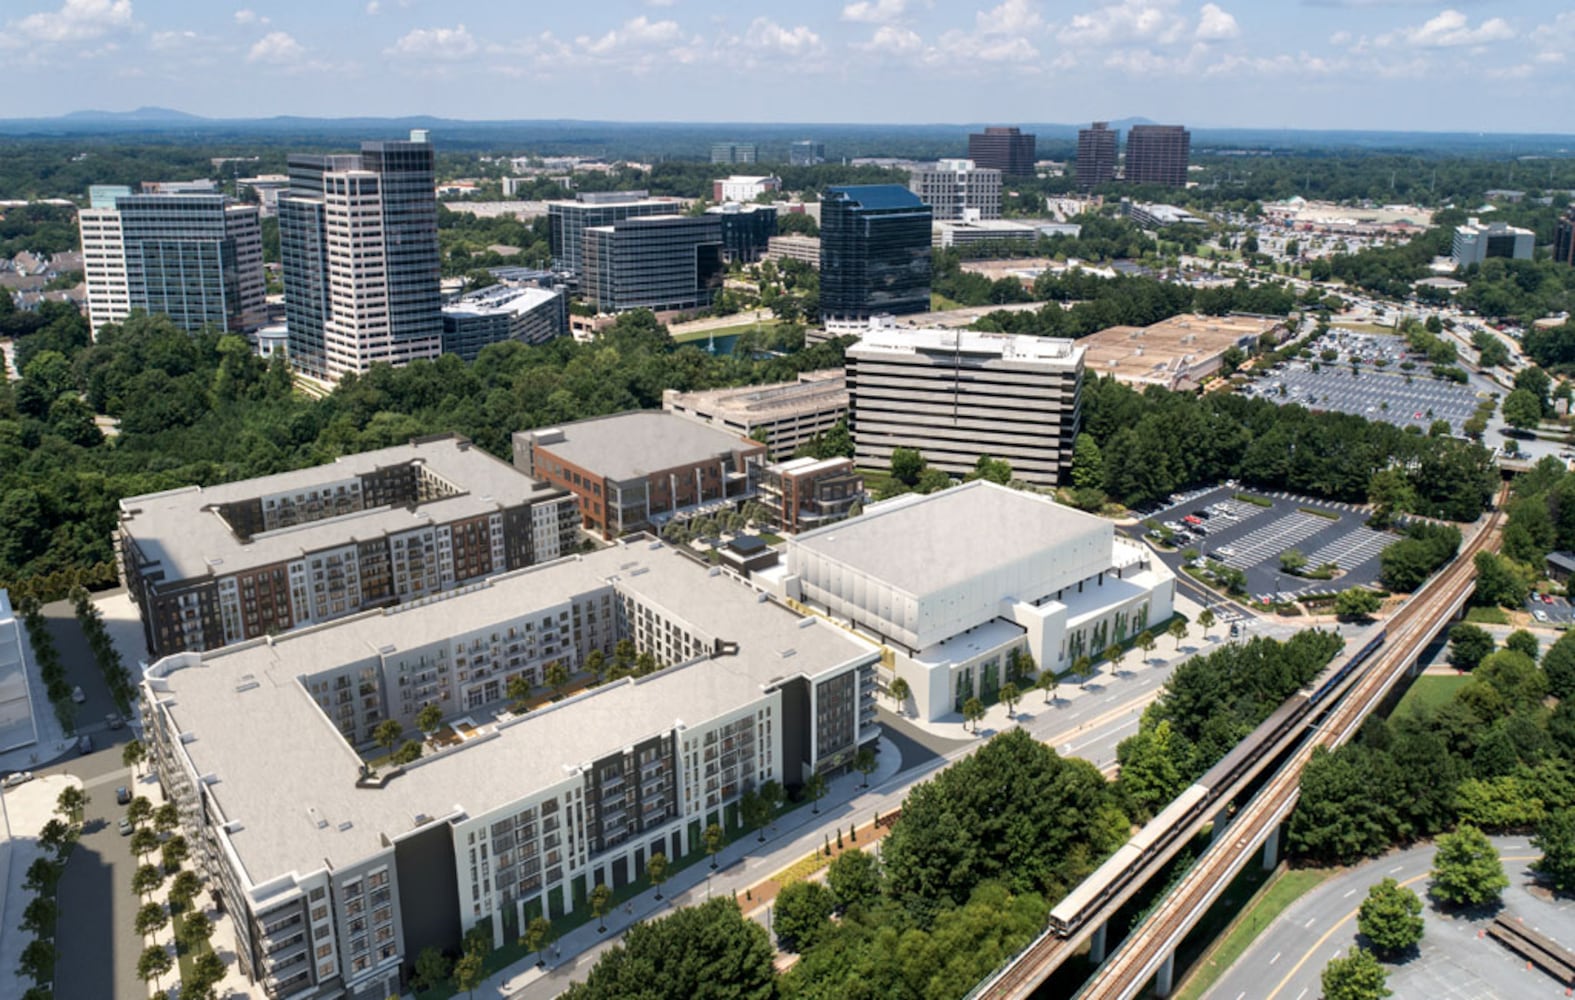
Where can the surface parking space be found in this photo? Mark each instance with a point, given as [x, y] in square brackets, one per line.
[1550, 610]
[1380, 396]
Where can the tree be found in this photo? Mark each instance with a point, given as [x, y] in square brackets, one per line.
[428, 720]
[1558, 664]
[173, 853]
[1466, 869]
[900, 692]
[601, 896]
[708, 950]
[387, 733]
[1390, 917]
[972, 712]
[38, 917]
[754, 811]
[802, 914]
[1501, 580]
[932, 480]
[469, 970]
[714, 837]
[1010, 696]
[854, 879]
[1358, 976]
[1356, 602]
[1292, 561]
[166, 817]
[153, 963]
[1522, 410]
[1556, 840]
[38, 960]
[865, 763]
[133, 754]
[146, 879]
[196, 928]
[150, 918]
[539, 931]
[432, 969]
[1524, 643]
[815, 789]
[596, 663]
[1206, 620]
[70, 803]
[1146, 642]
[184, 889]
[1468, 645]
[57, 837]
[656, 871]
[1047, 681]
[557, 677]
[1177, 631]
[207, 971]
[906, 465]
[1088, 463]
[140, 810]
[144, 841]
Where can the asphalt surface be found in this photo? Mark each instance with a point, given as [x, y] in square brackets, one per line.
[1454, 961]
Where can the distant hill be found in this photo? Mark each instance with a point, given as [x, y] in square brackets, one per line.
[147, 114]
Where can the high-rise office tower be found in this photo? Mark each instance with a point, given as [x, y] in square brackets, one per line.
[568, 220]
[1096, 155]
[1004, 149]
[1564, 238]
[194, 257]
[733, 152]
[1157, 154]
[806, 153]
[958, 189]
[874, 252]
[658, 262]
[359, 252]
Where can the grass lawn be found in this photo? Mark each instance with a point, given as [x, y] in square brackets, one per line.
[722, 331]
[1487, 616]
[1432, 690]
[1283, 889]
[184, 956]
[940, 303]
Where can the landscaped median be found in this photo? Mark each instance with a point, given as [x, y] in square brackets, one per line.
[1285, 887]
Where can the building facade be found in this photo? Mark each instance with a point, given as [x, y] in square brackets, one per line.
[568, 220]
[743, 188]
[1005, 149]
[1158, 154]
[338, 877]
[806, 153]
[501, 312]
[804, 249]
[746, 230]
[958, 189]
[634, 470]
[784, 415]
[806, 493]
[658, 262]
[874, 252]
[196, 258]
[212, 566]
[733, 152]
[958, 394]
[1475, 242]
[1096, 155]
[17, 728]
[955, 582]
[358, 252]
[1564, 238]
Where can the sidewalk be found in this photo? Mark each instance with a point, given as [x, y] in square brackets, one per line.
[24, 811]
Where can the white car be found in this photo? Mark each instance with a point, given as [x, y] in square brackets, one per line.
[16, 778]
[77, 695]
[1225, 552]
[1540, 616]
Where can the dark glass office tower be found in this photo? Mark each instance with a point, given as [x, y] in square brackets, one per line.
[1005, 149]
[874, 252]
[1157, 154]
[1096, 156]
[1564, 238]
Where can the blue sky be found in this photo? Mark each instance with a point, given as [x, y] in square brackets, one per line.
[1475, 65]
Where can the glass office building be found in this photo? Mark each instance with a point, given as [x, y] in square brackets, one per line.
[874, 252]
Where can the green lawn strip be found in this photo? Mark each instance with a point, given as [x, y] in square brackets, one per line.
[1256, 501]
[1283, 888]
[1432, 690]
[1487, 616]
[1316, 512]
[723, 331]
[184, 955]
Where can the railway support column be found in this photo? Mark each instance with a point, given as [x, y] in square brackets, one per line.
[1165, 978]
[1220, 819]
[1271, 848]
[1096, 945]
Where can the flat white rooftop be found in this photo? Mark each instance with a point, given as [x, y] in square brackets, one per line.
[1018, 348]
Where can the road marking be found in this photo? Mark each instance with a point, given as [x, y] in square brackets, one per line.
[1276, 957]
[1395, 869]
[1349, 894]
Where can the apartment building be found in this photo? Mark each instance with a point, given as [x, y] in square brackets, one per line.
[358, 252]
[1008, 150]
[874, 252]
[957, 190]
[1158, 154]
[658, 262]
[194, 257]
[634, 470]
[805, 493]
[502, 312]
[1096, 155]
[953, 582]
[568, 220]
[743, 187]
[958, 394]
[218, 565]
[338, 877]
[785, 415]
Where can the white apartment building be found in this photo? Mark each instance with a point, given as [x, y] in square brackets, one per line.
[103, 266]
[952, 582]
[338, 877]
[743, 188]
[958, 189]
[958, 394]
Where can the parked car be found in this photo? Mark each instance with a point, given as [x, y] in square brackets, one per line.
[113, 721]
[122, 795]
[125, 827]
[16, 778]
[77, 695]
[1225, 552]
[84, 745]
[1540, 615]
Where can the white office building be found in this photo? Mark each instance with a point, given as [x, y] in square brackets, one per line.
[958, 394]
[953, 582]
[958, 189]
[1476, 241]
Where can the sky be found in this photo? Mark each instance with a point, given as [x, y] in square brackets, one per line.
[1475, 65]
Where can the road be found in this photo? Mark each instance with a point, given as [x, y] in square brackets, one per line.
[1452, 963]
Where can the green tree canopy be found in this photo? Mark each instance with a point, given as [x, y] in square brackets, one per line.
[1357, 976]
[1466, 869]
[709, 952]
[1390, 917]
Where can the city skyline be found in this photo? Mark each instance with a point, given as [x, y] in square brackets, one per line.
[1316, 64]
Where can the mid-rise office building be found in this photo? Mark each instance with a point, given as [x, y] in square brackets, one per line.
[195, 257]
[1476, 241]
[807, 493]
[743, 187]
[635, 470]
[804, 249]
[958, 189]
[209, 566]
[501, 312]
[358, 251]
[785, 415]
[659, 262]
[954, 582]
[1564, 238]
[746, 230]
[806, 153]
[1005, 149]
[874, 252]
[733, 152]
[1096, 155]
[1158, 154]
[337, 877]
[958, 394]
[568, 220]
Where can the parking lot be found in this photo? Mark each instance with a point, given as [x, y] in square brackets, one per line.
[1250, 537]
[1385, 396]
[1556, 612]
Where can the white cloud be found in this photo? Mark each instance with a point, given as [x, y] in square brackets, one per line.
[892, 39]
[164, 41]
[276, 48]
[373, 7]
[640, 32]
[1449, 29]
[765, 33]
[1012, 17]
[1215, 25]
[436, 43]
[660, 3]
[1145, 21]
[876, 12]
[76, 21]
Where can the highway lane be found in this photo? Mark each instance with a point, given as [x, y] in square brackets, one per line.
[1453, 962]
